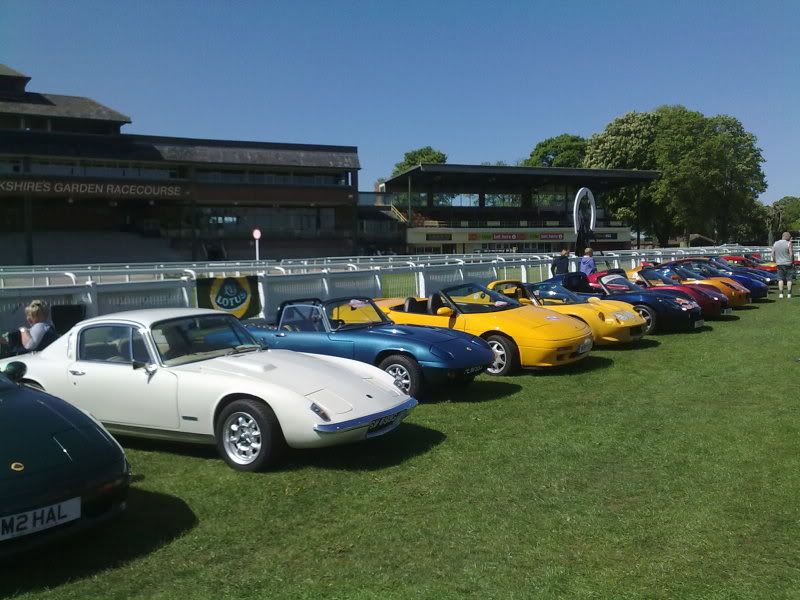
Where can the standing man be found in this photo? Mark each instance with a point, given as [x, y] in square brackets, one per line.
[560, 263]
[588, 265]
[782, 255]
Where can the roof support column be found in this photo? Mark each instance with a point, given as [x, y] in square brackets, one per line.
[27, 211]
[429, 197]
[482, 200]
[526, 198]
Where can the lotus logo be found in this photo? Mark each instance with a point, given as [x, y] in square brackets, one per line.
[467, 348]
[17, 467]
[552, 318]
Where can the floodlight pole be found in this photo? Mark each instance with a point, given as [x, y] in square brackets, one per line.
[638, 225]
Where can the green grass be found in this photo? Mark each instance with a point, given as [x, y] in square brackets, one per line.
[667, 471]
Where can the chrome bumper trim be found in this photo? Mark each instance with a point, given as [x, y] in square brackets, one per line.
[363, 421]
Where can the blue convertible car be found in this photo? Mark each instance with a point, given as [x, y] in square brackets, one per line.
[355, 328]
[661, 310]
[755, 284]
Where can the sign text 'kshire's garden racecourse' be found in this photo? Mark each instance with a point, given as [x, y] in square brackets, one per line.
[73, 188]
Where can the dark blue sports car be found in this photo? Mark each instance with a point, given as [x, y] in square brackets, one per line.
[758, 289]
[662, 310]
[356, 328]
[60, 470]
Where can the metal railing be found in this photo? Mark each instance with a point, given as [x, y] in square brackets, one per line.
[110, 288]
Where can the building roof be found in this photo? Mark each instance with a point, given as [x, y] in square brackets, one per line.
[6, 71]
[144, 148]
[476, 178]
[56, 105]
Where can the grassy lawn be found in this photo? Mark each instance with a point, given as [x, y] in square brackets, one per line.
[665, 471]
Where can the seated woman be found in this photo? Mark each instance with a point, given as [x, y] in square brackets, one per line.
[39, 334]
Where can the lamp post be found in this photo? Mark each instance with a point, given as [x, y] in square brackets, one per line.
[256, 237]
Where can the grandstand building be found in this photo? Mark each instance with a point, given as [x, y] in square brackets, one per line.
[458, 209]
[73, 188]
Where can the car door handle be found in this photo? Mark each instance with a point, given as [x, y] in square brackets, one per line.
[76, 372]
[280, 335]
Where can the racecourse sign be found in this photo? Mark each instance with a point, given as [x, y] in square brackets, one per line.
[50, 187]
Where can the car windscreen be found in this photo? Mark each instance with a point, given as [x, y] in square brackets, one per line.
[655, 277]
[617, 283]
[685, 272]
[554, 295]
[473, 298]
[190, 339]
[353, 313]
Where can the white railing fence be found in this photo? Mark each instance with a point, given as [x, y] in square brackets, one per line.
[103, 289]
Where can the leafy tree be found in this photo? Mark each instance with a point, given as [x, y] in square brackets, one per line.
[784, 215]
[565, 150]
[412, 158]
[628, 143]
[710, 171]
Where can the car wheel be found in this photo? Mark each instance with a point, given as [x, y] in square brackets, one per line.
[649, 316]
[406, 372]
[249, 437]
[505, 355]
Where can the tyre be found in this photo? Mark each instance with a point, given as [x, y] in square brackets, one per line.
[406, 372]
[249, 437]
[649, 316]
[506, 356]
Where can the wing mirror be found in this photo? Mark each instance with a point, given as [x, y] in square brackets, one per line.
[149, 367]
[593, 300]
[15, 371]
[675, 278]
[444, 311]
[526, 301]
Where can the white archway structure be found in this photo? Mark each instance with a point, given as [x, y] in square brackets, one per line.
[584, 192]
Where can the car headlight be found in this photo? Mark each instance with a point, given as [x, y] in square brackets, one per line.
[623, 315]
[439, 353]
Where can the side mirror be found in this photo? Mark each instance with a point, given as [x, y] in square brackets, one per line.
[593, 300]
[675, 278]
[149, 367]
[527, 301]
[444, 311]
[15, 371]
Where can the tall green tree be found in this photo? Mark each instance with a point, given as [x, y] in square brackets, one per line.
[784, 215]
[710, 171]
[627, 142]
[412, 158]
[565, 150]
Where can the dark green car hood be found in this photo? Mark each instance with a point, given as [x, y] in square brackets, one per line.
[43, 433]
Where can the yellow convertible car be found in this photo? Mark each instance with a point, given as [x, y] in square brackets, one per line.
[611, 322]
[527, 336]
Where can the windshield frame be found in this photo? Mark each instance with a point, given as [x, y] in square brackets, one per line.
[384, 320]
[505, 303]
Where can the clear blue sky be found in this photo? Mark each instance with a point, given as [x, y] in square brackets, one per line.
[481, 81]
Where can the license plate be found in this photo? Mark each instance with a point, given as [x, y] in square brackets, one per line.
[698, 324]
[381, 422]
[39, 519]
[473, 370]
[727, 311]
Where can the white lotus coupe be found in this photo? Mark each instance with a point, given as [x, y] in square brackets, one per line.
[198, 375]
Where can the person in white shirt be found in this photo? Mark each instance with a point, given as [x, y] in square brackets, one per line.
[782, 255]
